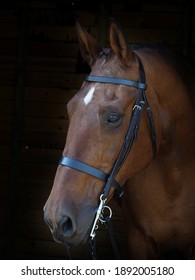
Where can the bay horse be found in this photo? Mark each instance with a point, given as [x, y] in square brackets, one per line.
[157, 168]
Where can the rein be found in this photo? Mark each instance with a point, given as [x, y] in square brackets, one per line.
[131, 135]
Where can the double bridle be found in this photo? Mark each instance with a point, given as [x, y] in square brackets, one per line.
[109, 179]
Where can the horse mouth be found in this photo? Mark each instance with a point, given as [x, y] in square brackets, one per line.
[78, 240]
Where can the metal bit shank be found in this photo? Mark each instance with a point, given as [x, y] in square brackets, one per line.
[97, 218]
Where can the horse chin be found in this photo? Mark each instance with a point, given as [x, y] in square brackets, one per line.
[75, 240]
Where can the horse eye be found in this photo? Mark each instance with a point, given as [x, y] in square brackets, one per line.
[113, 117]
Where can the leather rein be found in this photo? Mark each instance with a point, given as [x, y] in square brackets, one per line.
[109, 179]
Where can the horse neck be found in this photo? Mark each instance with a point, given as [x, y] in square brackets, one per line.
[174, 109]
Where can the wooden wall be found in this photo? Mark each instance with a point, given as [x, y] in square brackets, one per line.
[40, 70]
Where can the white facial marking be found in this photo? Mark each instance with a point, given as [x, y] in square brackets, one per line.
[89, 96]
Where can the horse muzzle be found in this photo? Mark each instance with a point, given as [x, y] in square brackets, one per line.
[66, 229]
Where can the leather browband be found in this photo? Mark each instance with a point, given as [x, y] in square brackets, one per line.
[116, 81]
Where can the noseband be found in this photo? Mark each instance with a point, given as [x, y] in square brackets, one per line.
[109, 179]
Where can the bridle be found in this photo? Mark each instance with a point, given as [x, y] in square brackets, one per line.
[109, 179]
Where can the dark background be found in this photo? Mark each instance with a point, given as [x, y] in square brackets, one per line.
[40, 69]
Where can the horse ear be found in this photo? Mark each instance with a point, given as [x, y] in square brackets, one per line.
[89, 47]
[119, 43]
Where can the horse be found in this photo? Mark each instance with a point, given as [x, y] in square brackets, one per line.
[156, 172]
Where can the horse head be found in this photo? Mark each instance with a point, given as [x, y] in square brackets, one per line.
[99, 116]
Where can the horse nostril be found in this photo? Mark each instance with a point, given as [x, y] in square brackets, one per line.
[67, 226]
